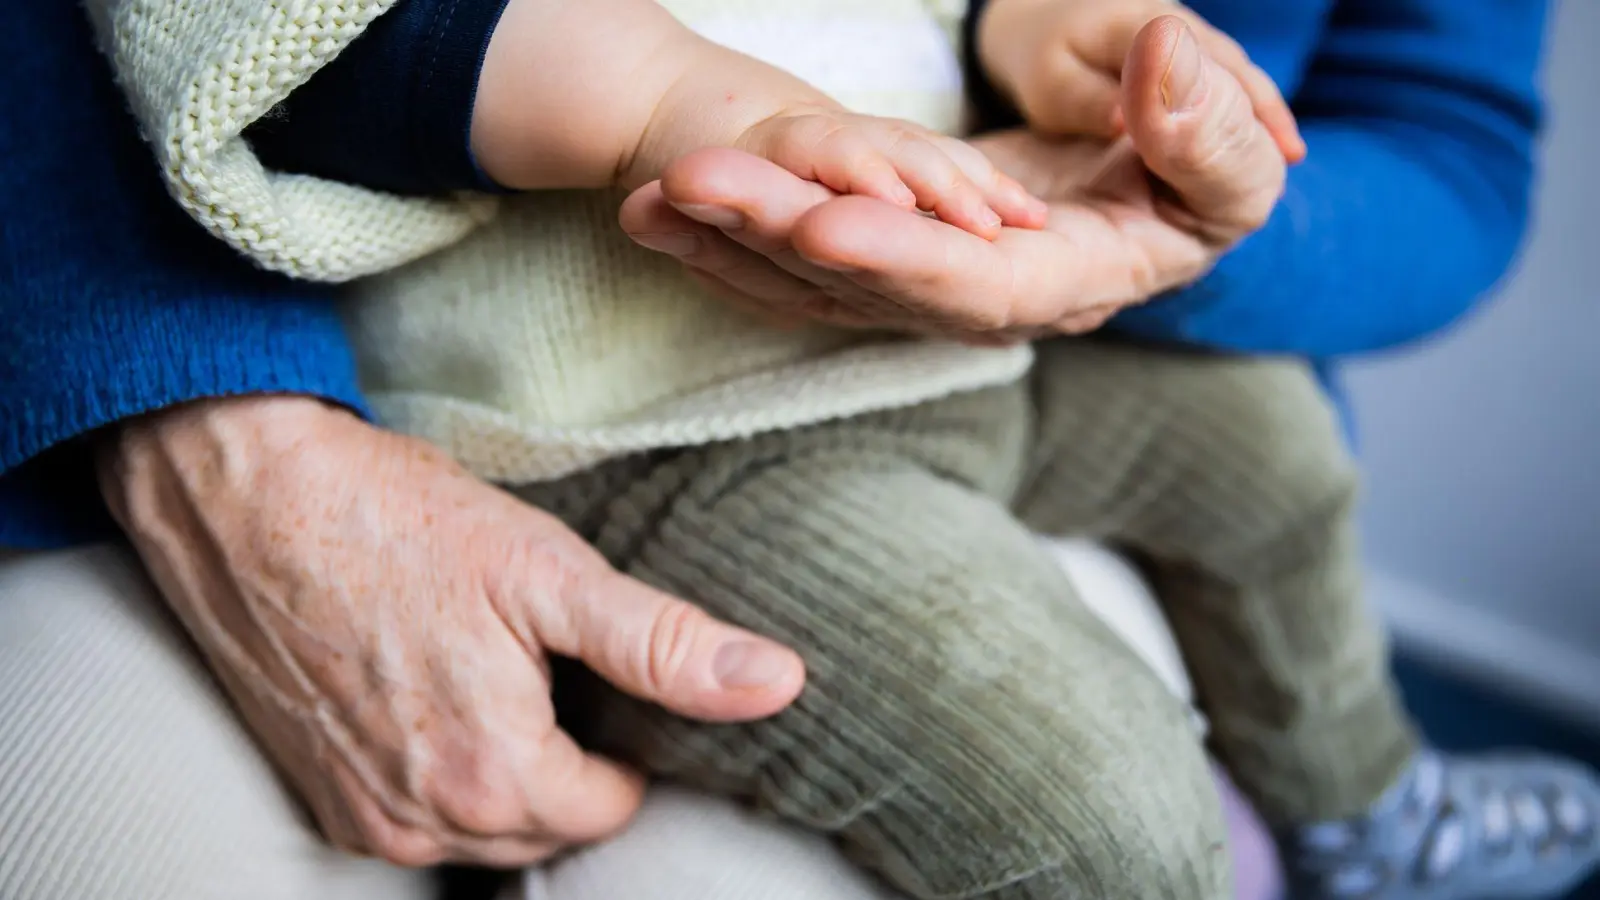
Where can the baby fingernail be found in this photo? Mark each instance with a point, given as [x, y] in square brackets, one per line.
[990, 219]
[717, 216]
[904, 197]
[1183, 85]
[670, 244]
[751, 664]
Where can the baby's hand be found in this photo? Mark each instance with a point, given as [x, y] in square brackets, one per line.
[897, 162]
[1060, 62]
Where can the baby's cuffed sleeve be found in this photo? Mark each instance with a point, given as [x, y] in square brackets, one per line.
[199, 74]
[394, 110]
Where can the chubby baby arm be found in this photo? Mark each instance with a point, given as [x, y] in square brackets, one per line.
[597, 93]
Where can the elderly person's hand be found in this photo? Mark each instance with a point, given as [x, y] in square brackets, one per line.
[382, 620]
[1060, 62]
[1196, 172]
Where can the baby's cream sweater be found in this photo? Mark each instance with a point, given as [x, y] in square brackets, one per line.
[528, 336]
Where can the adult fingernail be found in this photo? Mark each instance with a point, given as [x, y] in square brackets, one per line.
[1183, 85]
[751, 664]
[716, 216]
[1297, 150]
[670, 244]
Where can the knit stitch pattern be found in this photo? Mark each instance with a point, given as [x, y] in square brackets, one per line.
[544, 341]
[197, 72]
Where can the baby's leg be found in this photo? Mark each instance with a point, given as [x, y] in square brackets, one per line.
[1230, 477]
[968, 729]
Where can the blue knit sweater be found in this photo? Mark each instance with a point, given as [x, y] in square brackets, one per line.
[1420, 116]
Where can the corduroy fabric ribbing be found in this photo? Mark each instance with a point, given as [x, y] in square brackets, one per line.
[1230, 478]
[969, 728]
[964, 713]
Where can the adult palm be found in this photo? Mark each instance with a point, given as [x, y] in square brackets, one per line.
[1195, 173]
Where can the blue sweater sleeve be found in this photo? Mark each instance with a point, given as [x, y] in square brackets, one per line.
[394, 110]
[1421, 117]
[114, 303]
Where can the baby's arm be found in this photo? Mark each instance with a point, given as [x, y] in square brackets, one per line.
[594, 93]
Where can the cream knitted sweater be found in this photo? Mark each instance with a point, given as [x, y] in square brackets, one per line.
[529, 337]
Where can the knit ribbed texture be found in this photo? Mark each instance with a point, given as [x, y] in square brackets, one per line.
[393, 111]
[113, 303]
[969, 729]
[124, 772]
[547, 341]
[199, 71]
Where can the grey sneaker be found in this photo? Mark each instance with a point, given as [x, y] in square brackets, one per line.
[1498, 827]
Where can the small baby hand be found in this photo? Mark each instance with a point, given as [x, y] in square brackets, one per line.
[897, 162]
[1060, 62]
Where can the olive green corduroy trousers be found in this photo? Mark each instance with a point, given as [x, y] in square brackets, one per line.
[969, 728]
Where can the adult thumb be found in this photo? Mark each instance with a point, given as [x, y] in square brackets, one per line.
[661, 649]
[1195, 127]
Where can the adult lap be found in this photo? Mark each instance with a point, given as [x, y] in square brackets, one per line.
[127, 770]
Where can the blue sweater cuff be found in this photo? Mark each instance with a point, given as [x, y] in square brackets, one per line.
[113, 302]
[135, 356]
[394, 110]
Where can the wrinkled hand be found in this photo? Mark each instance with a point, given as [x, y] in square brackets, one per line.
[1060, 64]
[382, 619]
[1195, 173]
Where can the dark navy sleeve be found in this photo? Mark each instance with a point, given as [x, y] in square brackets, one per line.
[113, 302]
[394, 110]
[992, 110]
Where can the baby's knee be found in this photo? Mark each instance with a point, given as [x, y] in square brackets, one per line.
[1262, 438]
[1079, 816]
[1228, 441]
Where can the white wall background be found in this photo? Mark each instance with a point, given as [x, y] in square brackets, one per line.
[1483, 511]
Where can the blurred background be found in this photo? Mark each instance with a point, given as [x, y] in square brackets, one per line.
[1483, 510]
